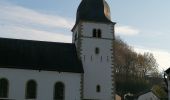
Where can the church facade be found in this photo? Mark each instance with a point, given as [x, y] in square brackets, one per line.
[81, 70]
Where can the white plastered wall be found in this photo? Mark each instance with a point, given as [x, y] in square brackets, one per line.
[97, 67]
[45, 83]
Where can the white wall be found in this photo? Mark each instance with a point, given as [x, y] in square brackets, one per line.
[45, 83]
[97, 71]
[148, 96]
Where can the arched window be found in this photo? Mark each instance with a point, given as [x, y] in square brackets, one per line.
[31, 89]
[99, 33]
[59, 91]
[98, 89]
[97, 50]
[94, 33]
[4, 86]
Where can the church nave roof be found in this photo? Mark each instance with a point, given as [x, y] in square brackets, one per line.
[39, 55]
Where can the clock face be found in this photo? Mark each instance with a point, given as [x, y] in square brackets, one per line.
[107, 10]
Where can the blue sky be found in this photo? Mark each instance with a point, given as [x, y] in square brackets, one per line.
[143, 24]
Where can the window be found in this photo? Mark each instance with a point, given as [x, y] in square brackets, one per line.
[94, 33]
[98, 88]
[59, 91]
[31, 89]
[4, 86]
[97, 33]
[97, 50]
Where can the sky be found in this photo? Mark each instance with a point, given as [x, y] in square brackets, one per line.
[142, 24]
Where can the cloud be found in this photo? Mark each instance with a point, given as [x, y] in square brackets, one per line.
[18, 14]
[126, 30]
[33, 34]
[23, 23]
[162, 57]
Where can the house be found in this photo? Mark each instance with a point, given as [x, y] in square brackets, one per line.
[149, 95]
[83, 69]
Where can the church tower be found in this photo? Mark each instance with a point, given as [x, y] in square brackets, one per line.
[93, 35]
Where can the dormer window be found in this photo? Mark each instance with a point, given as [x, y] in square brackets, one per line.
[97, 33]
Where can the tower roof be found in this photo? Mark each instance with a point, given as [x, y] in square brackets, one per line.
[93, 10]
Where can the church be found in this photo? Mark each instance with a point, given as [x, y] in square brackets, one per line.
[81, 70]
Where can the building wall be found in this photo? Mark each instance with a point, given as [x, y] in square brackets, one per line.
[45, 83]
[98, 68]
[148, 96]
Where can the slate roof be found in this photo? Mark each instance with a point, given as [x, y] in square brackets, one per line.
[92, 10]
[39, 55]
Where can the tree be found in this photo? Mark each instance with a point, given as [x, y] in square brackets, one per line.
[131, 68]
[159, 91]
